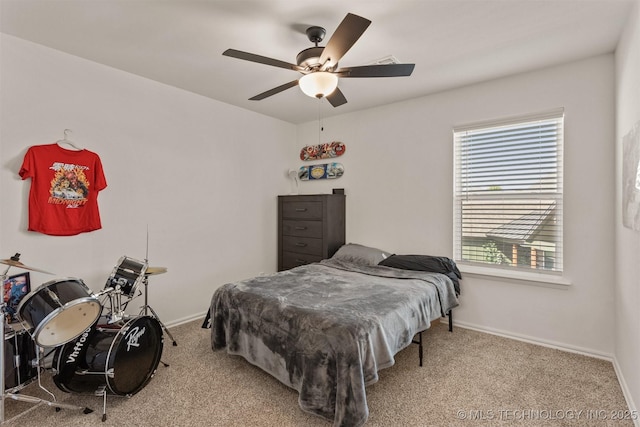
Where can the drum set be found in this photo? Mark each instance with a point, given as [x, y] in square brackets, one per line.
[87, 341]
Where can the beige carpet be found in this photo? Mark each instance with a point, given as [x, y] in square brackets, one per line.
[469, 379]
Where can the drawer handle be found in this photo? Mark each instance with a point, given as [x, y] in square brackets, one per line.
[301, 209]
[301, 260]
[301, 228]
[302, 245]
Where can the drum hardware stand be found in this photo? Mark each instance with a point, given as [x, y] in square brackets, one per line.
[20, 397]
[149, 271]
[147, 307]
[102, 392]
[115, 303]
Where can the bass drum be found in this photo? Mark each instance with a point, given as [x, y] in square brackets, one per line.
[122, 358]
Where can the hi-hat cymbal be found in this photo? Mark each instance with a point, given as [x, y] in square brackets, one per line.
[155, 270]
[14, 261]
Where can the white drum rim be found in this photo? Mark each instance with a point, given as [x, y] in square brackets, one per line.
[44, 322]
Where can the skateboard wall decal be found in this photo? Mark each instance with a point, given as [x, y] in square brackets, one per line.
[327, 150]
[321, 171]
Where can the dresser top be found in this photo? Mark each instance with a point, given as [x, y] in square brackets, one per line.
[309, 196]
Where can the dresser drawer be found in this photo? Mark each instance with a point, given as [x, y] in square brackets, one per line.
[290, 260]
[302, 210]
[302, 245]
[292, 227]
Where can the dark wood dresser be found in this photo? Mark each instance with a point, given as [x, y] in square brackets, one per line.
[310, 228]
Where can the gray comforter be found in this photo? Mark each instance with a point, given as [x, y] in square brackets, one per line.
[326, 329]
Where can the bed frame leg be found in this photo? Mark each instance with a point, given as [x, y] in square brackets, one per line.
[419, 342]
[420, 348]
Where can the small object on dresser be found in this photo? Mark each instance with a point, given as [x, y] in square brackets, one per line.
[338, 191]
[293, 176]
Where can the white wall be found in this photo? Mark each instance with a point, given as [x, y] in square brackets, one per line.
[202, 175]
[399, 180]
[627, 267]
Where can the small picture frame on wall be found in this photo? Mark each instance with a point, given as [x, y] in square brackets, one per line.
[15, 288]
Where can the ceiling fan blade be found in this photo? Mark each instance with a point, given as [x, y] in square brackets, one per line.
[347, 33]
[260, 59]
[336, 98]
[274, 91]
[389, 70]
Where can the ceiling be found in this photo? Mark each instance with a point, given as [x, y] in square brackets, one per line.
[452, 42]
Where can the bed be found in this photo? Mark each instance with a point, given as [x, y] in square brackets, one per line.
[326, 329]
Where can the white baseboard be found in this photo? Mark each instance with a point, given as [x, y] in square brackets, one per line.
[184, 320]
[533, 340]
[563, 347]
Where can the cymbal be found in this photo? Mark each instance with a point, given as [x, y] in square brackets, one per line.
[14, 261]
[155, 270]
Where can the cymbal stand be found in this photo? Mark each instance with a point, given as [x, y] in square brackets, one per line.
[21, 397]
[147, 307]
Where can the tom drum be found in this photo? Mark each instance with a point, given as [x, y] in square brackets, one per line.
[59, 311]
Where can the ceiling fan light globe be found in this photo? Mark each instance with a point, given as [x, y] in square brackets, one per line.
[318, 84]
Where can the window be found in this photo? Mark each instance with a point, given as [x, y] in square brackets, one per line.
[508, 194]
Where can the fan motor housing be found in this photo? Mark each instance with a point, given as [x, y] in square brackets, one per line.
[310, 58]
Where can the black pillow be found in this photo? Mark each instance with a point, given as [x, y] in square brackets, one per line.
[433, 264]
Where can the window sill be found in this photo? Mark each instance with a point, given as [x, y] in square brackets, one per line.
[539, 279]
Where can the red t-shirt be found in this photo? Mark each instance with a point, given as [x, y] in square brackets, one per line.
[63, 199]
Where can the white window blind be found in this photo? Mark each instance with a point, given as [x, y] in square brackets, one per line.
[508, 193]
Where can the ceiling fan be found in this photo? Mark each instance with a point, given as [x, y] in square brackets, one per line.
[319, 65]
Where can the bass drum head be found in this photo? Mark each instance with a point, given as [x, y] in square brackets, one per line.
[122, 358]
[134, 355]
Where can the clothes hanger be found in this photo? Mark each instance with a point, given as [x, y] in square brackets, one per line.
[66, 141]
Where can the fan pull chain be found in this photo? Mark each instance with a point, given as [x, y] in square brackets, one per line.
[320, 126]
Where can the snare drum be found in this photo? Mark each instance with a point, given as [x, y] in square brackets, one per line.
[122, 358]
[19, 353]
[59, 310]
